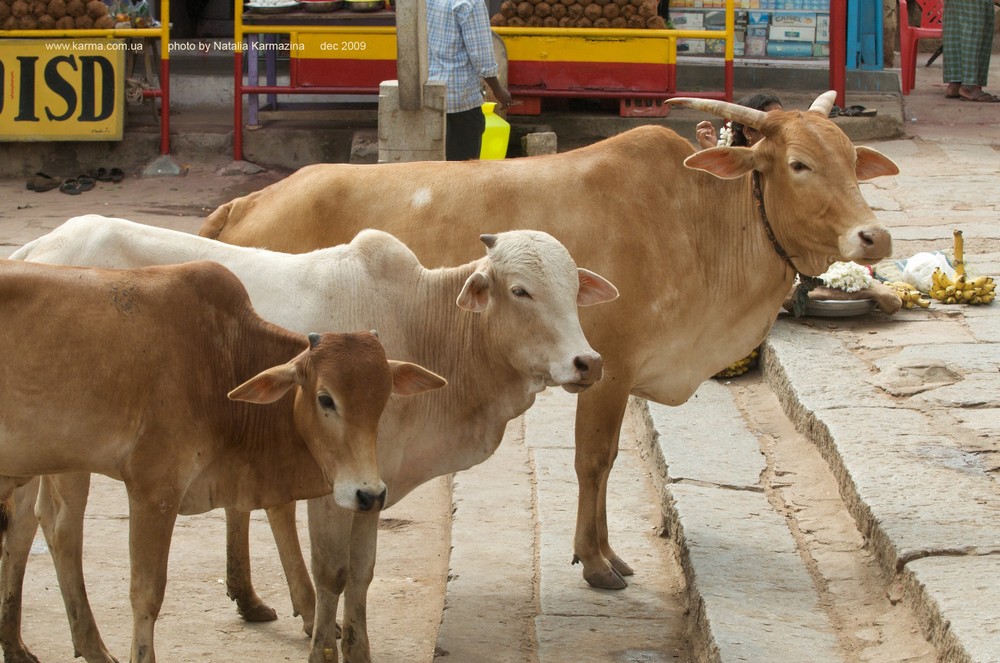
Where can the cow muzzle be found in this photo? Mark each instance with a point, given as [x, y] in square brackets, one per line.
[369, 500]
[867, 244]
[588, 369]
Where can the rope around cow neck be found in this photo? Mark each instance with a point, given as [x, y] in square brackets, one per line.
[758, 197]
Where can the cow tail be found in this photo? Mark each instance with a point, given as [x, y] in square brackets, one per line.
[216, 221]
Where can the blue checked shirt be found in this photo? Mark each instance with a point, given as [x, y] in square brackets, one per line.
[460, 50]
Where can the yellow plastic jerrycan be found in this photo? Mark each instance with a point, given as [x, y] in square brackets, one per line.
[496, 135]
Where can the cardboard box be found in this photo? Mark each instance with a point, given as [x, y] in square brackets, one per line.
[715, 20]
[781, 33]
[755, 46]
[795, 20]
[789, 49]
[823, 29]
[690, 46]
[821, 50]
[688, 20]
[715, 46]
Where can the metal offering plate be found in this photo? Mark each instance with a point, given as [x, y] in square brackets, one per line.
[839, 308]
[322, 5]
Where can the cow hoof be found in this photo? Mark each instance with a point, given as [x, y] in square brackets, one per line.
[621, 567]
[608, 579]
[20, 656]
[259, 612]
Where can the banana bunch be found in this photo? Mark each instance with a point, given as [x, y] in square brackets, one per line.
[979, 290]
[910, 296]
[962, 290]
[740, 367]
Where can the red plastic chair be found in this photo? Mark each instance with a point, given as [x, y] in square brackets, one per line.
[931, 12]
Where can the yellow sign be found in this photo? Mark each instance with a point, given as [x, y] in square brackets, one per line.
[62, 89]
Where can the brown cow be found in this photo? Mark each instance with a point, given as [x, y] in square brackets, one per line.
[702, 267]
[125, 373]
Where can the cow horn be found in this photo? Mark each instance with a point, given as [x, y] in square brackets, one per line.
[489, 240]
[313, 339]
[824, 103]
[748, 117]
[374, 333]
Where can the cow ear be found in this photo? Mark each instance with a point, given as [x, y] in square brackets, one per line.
[410, 379]
[475, 293]
[268, 386]
[724, 162]
[594, 289]
[872, 163]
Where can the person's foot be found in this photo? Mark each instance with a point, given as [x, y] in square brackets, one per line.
[952, 91]
[977, 93]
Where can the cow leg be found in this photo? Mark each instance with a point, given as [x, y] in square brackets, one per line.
[616, 562]
[329, 537]
[239, 585]
[599, 416]
[62, 500]
[17, 547]
[152, 514]
[300, 587]
[361, 571]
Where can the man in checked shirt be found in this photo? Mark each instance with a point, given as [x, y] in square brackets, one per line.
[460, 54]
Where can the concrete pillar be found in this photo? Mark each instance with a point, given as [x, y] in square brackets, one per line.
[411, 51]
[411, 135]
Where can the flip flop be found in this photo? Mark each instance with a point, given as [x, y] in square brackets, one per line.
[116, 174]
[86, 182]
[71, 186]
[42, 182]
[858, 111]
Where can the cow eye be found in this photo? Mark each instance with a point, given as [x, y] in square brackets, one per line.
[799, 167]
[326, 402]
[518, 291]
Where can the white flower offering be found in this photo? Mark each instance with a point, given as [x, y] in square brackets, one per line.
[846, 276]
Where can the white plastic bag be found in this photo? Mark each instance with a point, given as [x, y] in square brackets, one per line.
[920, 268]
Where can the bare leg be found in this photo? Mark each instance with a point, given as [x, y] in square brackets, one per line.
[330, 537]
[17, 546]
[599, 417]
[361, 571]
[62, 500]
[239, 585]
[300, 587]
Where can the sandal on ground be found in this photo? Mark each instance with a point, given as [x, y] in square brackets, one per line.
[42, 182]
[71, 186]
[983, 97]
[86, 182]
[858, 111]
[116, 174]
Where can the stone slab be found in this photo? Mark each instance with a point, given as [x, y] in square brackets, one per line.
[966, 590]
[706, 440]
[752, 591]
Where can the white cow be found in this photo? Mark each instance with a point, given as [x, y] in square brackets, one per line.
[525, 335]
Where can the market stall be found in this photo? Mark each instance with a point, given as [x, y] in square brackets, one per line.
[349, 52]
[64, 63]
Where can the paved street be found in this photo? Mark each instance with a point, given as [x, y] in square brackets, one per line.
[838, 504]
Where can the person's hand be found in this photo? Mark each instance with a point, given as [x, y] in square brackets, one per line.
[704, 132]
[503, 98]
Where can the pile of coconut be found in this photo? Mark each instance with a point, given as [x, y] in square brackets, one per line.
[54, 15]
[579, 14]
